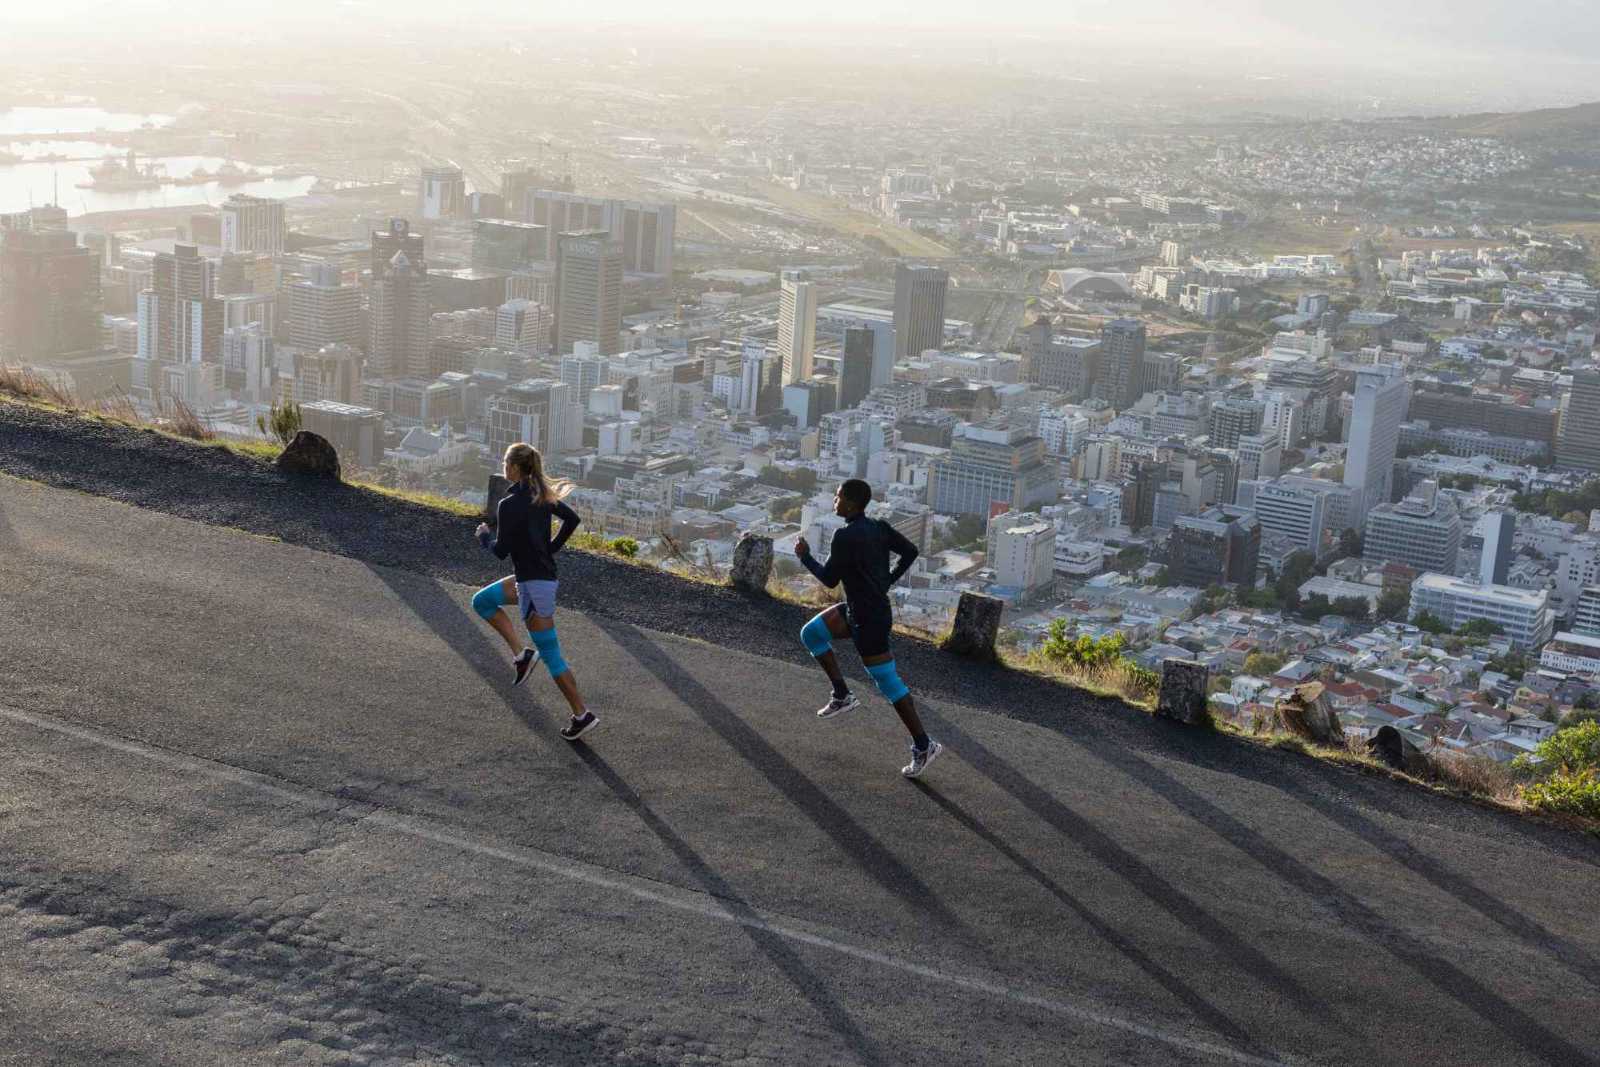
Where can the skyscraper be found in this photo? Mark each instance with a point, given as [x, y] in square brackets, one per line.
[442, 193]
[855, 367]
[918, 309]
[322, 310]
[522, 326]
[180, 318]
[398, 314]
[253, 224]
[1579, 447]
[49, 294]
[1422, 531]
[588, 292]
[540, 412]
[797, 327]
[507, 244]
[1234, 418]
[1121, 363]
[643, 232]
[1375, 418]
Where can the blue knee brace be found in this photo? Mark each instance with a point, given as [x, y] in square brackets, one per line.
[549, 646]
[816, 637]
[486, 601]
[888, 681]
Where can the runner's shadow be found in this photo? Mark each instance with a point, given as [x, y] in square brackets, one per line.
[772, 945]
[1210, 1014]
[1410, 949]
[867, 852]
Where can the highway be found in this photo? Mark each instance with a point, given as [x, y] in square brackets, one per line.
[265, 804]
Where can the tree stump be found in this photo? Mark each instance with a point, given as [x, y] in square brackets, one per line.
[976, 627]
[1391, 748]
[1183, 692]
[752, 563]
[310, 453]
[1307, 713]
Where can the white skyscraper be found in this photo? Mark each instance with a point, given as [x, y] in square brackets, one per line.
[253, 224]
[797, 327]
[1376, 415]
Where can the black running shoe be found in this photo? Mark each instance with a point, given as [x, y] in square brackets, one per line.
[524, 663]
[577, 727]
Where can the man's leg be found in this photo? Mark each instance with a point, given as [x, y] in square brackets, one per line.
[818, 636]
[897, 693]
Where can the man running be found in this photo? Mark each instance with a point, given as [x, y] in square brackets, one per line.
[859, 558]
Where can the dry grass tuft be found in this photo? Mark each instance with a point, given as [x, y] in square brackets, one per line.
[1120, 679]
[184, 422]
[28, 384]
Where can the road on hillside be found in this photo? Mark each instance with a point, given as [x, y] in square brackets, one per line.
[264, 804]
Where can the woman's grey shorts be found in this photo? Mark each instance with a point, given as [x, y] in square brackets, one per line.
[536, 598]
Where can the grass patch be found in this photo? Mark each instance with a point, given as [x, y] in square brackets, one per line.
[1119, 679]
[427, 500]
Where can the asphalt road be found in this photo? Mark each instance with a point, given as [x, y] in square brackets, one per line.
[262, 804]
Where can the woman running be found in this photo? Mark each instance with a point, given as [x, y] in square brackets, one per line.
[522, 531]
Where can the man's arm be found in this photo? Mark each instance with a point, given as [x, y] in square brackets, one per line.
[901, 546]
[826, 573]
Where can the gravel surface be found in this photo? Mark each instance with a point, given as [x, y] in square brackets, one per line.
[217, 487]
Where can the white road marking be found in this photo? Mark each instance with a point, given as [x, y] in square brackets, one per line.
[678, 899]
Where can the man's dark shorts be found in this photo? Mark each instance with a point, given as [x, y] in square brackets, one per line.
[869, 632]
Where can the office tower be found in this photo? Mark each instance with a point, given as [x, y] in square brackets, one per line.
[855, 367]
[809, 400]
[1446, 407]
[355, 432]
[332, 372]
[1295, 511]
[1067, 364]
[1218, 546]
[583, 372]
[1523, 615]
[642, 232]
[1580, 424]
[508, 244]
[919, 294]
[1586, 618]
[1260, 456]
[1121, 380]
[322, 310]
[1316, 387]
[1235, 418]
[1421, 531]
[246, 272]
[541, 412]
[49, 294]
[1024, 556]
[253, 224]
[1499, 529]
[992, 467]
[522, 326]
[1139, 499]
[398, 306]
[1376, 415]
[442, 193]
[515, 185]
[395, 237]
[1173, 254]
[180, 318]
[797, 327]
[249, 363]
[588, 303]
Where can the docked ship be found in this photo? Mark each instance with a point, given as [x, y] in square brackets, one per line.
[123, 175]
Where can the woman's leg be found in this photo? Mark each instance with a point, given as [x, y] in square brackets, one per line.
[488, 601]
[543, 630]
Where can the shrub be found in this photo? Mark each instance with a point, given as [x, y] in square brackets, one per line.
[282, 422]
[1566, 793]
[626, 547]
[1085, 652]
[1567, 766]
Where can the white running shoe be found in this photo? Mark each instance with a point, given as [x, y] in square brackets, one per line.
[920, 758]
[838, 706]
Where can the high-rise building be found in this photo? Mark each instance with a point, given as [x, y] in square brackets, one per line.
[1297, 512]
[49, 294]
[1024, 556]
[1318, 401]
[332, 372]
[855, 367]
[1447, 407]
[1260, 456]
[1421, 531]
[1580, 424]
[642, 232]
[442, 193]
[522, 326]
[1121, 378]
[1376, 414]
[355, 432]
[1586, 617]
[398, 316]
[797, 326]
[508, 244]
[253, 224]
[1219, 546]
[180, 318]
[541, 412]
[1234, 418]
[809, 400]
[322, 310]
[1499, 529]
[1064, 363]
[583, 371]
[991, 468]
[588, 302]
[919, 294]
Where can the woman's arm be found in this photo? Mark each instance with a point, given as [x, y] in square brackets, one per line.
[569, 522]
